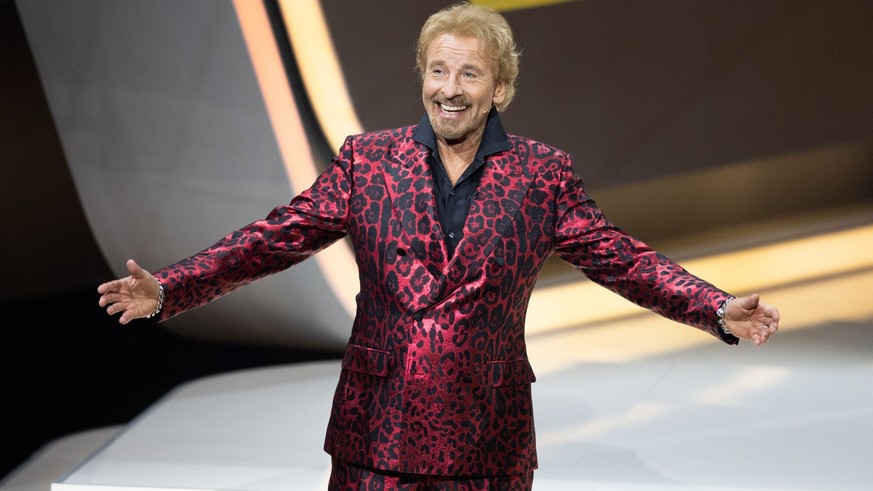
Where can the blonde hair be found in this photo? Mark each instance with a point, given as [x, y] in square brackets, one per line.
[482, 23]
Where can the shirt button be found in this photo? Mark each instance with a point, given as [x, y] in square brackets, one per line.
[452, 193]
[451, 235]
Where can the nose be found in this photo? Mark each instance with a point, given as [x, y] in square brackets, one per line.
[452, 88]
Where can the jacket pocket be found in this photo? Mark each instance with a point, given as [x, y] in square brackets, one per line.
[366, 360]
[503, 373]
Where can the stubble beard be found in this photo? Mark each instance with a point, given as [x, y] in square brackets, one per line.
[449, 131]
[452, 131]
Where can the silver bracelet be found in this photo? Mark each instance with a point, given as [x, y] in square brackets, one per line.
[160, 300]
[720, 315]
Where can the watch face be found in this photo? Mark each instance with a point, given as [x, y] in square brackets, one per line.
[720, 314]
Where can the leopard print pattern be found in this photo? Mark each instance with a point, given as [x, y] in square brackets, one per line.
[435, 378]
[349, 477]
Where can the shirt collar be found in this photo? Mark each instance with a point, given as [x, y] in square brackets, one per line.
[494, 139]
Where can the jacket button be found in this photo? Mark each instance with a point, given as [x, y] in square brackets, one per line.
[500, 261]
[401, 251]
[418, 316]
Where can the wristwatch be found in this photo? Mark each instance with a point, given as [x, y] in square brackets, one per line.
[720, 313]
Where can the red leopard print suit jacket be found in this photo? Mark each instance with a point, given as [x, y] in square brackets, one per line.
[435, 378]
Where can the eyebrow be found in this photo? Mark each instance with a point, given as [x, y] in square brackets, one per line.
[464, 67]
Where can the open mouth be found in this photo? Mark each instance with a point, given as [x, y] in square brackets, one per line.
[452, 108]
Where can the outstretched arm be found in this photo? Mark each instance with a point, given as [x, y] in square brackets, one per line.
[134, 296]
[750, 319]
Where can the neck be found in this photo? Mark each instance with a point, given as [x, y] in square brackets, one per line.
[457, 156]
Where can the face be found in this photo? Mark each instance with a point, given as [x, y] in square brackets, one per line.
[459, 87]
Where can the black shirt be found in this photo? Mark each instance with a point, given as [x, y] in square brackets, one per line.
[453, 202]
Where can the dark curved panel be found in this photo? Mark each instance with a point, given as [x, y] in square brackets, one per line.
[638, 90]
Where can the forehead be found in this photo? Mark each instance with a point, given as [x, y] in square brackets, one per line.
[447, 48]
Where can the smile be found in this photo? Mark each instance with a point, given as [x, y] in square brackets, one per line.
[452, 109]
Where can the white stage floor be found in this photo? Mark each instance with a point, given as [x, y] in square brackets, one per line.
[796, 415]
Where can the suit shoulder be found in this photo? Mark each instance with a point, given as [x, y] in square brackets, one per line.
[539, 157]
[537, 149]
[384, 136]
[375, 146]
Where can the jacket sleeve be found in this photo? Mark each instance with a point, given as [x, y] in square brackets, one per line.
[613, 259]
[290, 233]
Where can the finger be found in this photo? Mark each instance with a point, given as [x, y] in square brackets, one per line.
[766, 318]
[769, 311]
[774, 313]
[761, 337]
[109, 286]
[770, 326]
[114, 308]
[765, 333]
[127, 312]
[110, 298]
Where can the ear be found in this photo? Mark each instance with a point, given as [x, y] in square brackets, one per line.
[499, 93]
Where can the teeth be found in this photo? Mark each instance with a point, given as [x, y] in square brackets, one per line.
[452, 108]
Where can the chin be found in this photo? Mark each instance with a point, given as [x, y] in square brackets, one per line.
[453, 132]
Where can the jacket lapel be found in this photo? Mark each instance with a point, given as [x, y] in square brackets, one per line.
[497, 201]
[410, 186]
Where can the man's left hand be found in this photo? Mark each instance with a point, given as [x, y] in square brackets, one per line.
[750, 319]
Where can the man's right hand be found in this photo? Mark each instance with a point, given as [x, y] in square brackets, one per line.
[135, 296]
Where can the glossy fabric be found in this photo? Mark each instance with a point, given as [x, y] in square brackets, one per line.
[349, 477]
[435, 377]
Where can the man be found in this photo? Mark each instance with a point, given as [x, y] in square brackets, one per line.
[451, 221]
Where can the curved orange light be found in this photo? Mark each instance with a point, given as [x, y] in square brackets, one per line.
[337, 262]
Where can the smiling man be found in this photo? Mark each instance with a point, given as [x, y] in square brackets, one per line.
[460, 84]
[451, 220]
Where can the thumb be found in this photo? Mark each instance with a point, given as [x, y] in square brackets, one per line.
[135, 269]
[748, 303]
